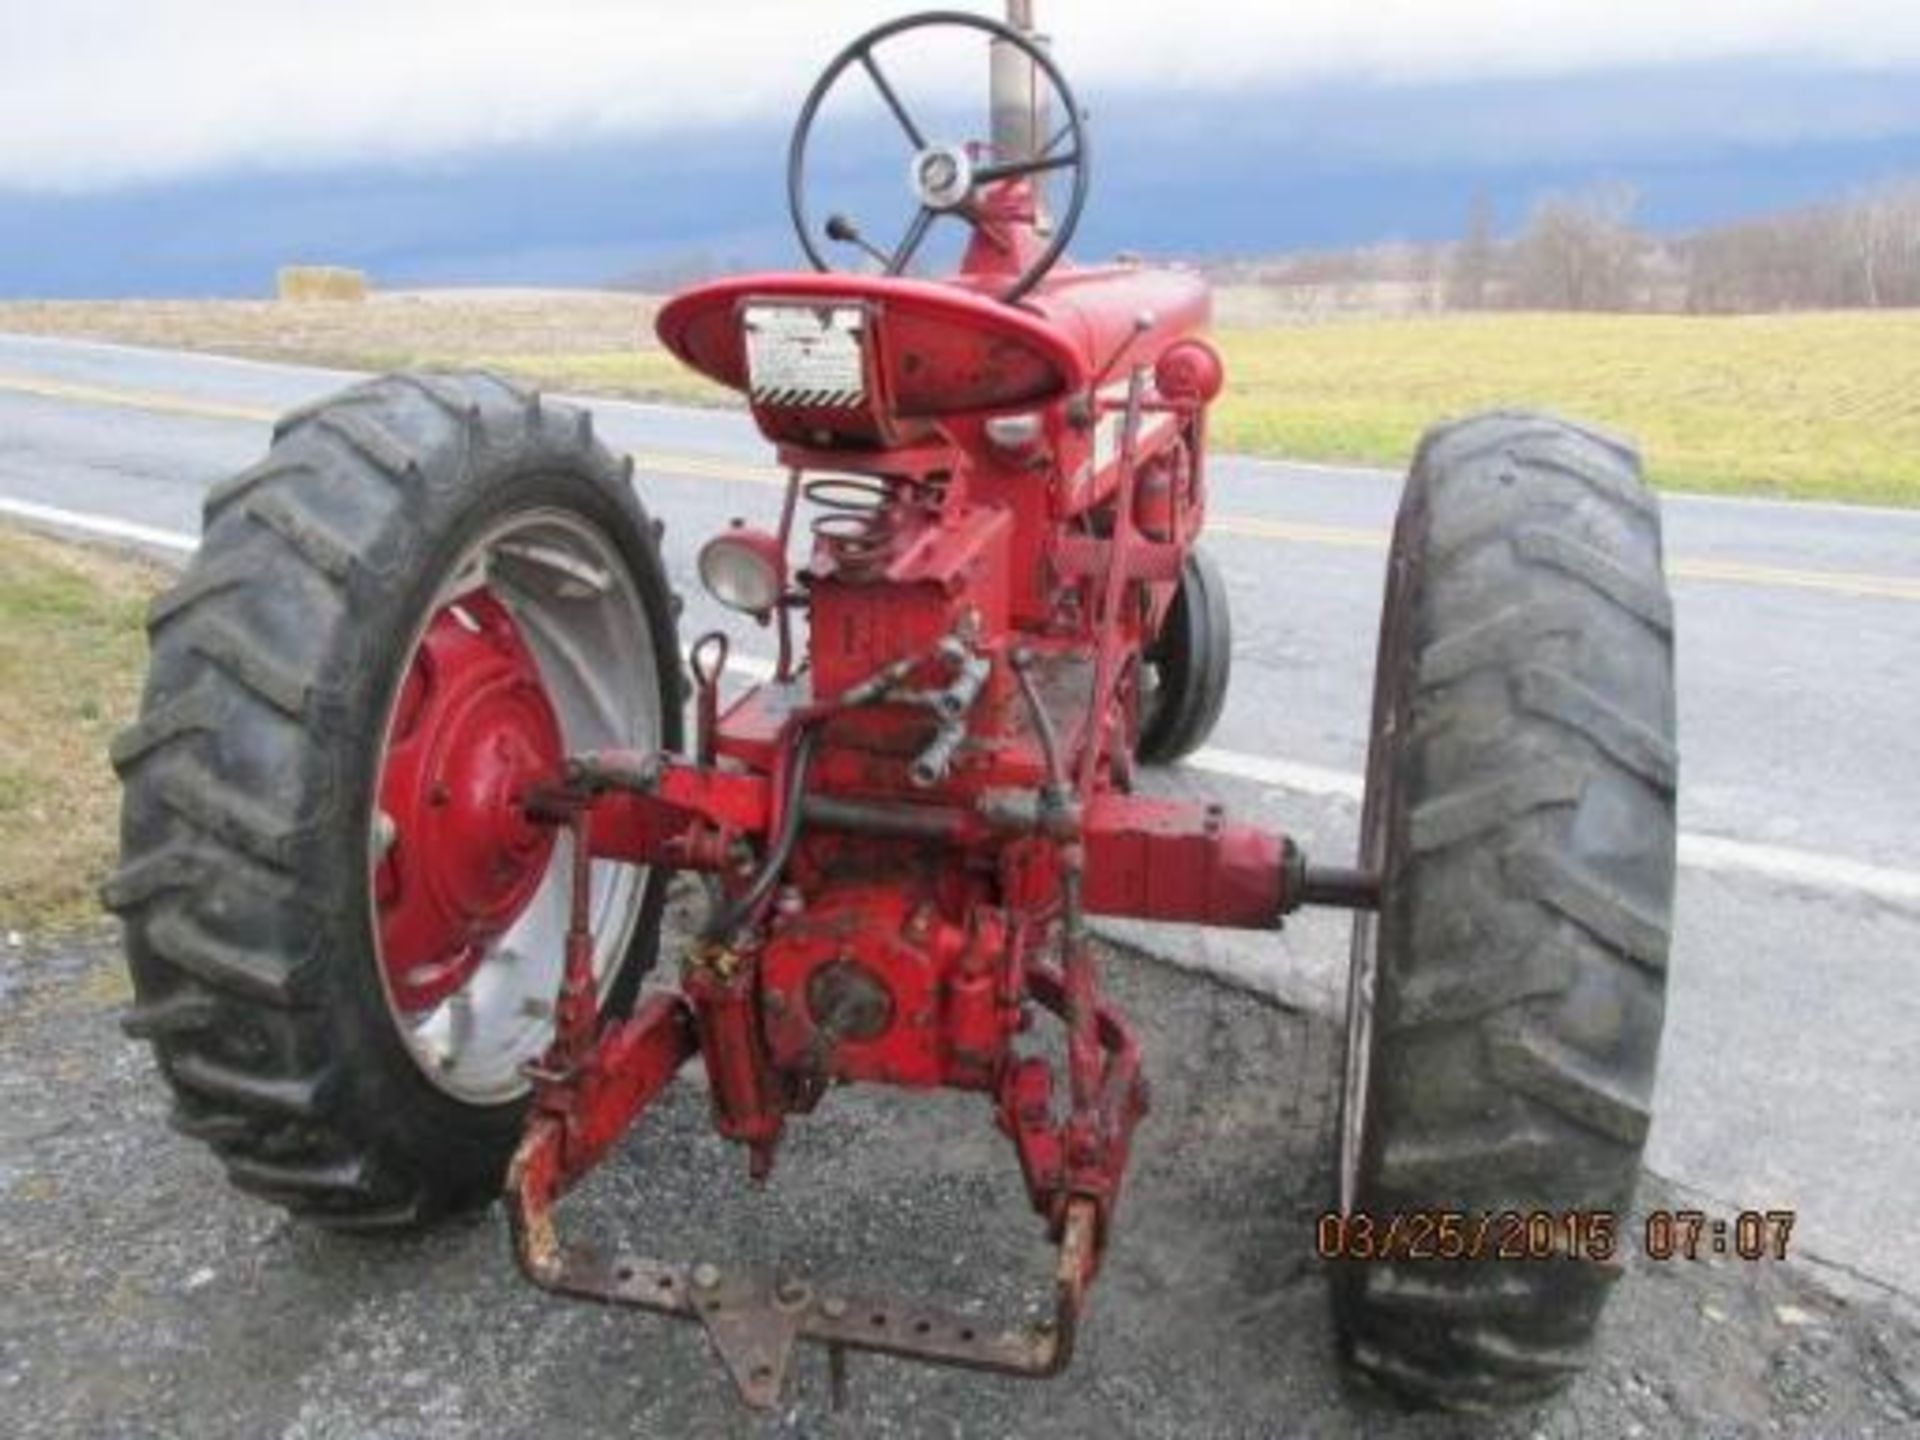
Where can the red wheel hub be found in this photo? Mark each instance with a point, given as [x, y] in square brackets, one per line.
[473, 732]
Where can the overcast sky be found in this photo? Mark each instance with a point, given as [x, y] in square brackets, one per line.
[100, 93]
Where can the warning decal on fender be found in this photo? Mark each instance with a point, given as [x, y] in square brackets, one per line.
[806, 356]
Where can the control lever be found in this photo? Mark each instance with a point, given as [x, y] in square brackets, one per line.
[843, 231]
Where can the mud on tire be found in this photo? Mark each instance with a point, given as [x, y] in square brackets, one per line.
[250, 775]
[1506, 1005]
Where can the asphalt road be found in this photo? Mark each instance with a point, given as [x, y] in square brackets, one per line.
[1787, 1078]
[146, 1298]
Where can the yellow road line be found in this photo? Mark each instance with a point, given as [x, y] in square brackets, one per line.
[134, 399]
[1837, 582]
[702, 467]
[1340, 537]
[1724, 572]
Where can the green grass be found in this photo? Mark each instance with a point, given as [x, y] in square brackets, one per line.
[72, 650]
[632, 375]
[1820, 406]
[1809, 406]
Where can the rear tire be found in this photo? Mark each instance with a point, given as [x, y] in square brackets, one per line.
[1506, 1003]
[250, 781]
[1191, 661]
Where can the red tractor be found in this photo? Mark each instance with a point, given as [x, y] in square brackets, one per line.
[410, 780]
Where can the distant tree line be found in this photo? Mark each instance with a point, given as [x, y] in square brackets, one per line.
[664, 274]
[1863, 252]
[1584, 250]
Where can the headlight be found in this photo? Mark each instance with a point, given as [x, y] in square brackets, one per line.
[743, 570]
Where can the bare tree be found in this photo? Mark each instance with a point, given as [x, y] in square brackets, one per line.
[1906, 244]
[1864, 224]
[1864, 251]
[1470, 277]
[1580, 251]
[1882, 230]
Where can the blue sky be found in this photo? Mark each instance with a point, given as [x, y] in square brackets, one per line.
[188, 146]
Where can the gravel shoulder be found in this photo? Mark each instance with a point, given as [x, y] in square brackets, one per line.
[149, 1299]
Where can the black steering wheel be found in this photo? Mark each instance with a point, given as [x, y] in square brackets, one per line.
[946, 177]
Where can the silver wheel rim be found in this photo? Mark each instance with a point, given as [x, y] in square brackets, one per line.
[569, 590]
[1363, 965]
[1362, 974]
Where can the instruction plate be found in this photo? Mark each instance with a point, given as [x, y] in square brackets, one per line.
[807, 356]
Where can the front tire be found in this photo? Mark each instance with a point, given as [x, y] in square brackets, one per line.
[1189, 665]
[1505, 1005]
[259, 781]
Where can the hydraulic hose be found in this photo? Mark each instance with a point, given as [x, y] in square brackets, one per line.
[736, 912]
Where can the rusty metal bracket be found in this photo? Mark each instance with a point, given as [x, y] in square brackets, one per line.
[754, 1319]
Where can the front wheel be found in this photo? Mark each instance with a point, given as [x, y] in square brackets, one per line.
[1188, 667]
[345, 936]
[1505, 1004]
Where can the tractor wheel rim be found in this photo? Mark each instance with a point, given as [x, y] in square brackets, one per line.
[536, 646]
[1358, 1078]
[473, 734]
[1363, 972]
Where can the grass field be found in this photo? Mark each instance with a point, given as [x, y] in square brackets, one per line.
[1823, 406]
[72, 650]
[1805, 406]
[1811, 406]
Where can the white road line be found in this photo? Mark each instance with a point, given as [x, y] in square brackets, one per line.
[1697, 851]
[1716, 853]
[103, 525]
[1700, 852]
[1800, 867]
[1278, 774]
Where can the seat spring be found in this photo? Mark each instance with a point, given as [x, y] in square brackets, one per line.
[861, 517]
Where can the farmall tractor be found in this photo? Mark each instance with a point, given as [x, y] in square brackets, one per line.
[412, 775]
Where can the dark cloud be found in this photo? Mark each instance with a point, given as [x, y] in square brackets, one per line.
[1248, 170]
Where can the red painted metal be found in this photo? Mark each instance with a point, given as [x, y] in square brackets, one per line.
[1191, 371]
[947, 350]
[590, 1107]
[908, 832]
[876, 983]
[473, 734]
[1179, 861]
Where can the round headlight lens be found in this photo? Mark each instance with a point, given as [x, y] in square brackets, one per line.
[741, 570]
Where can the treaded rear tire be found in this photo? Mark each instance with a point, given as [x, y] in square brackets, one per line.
[250, 775]
[1520, 806]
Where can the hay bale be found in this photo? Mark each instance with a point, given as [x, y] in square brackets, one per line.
[308, 284]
